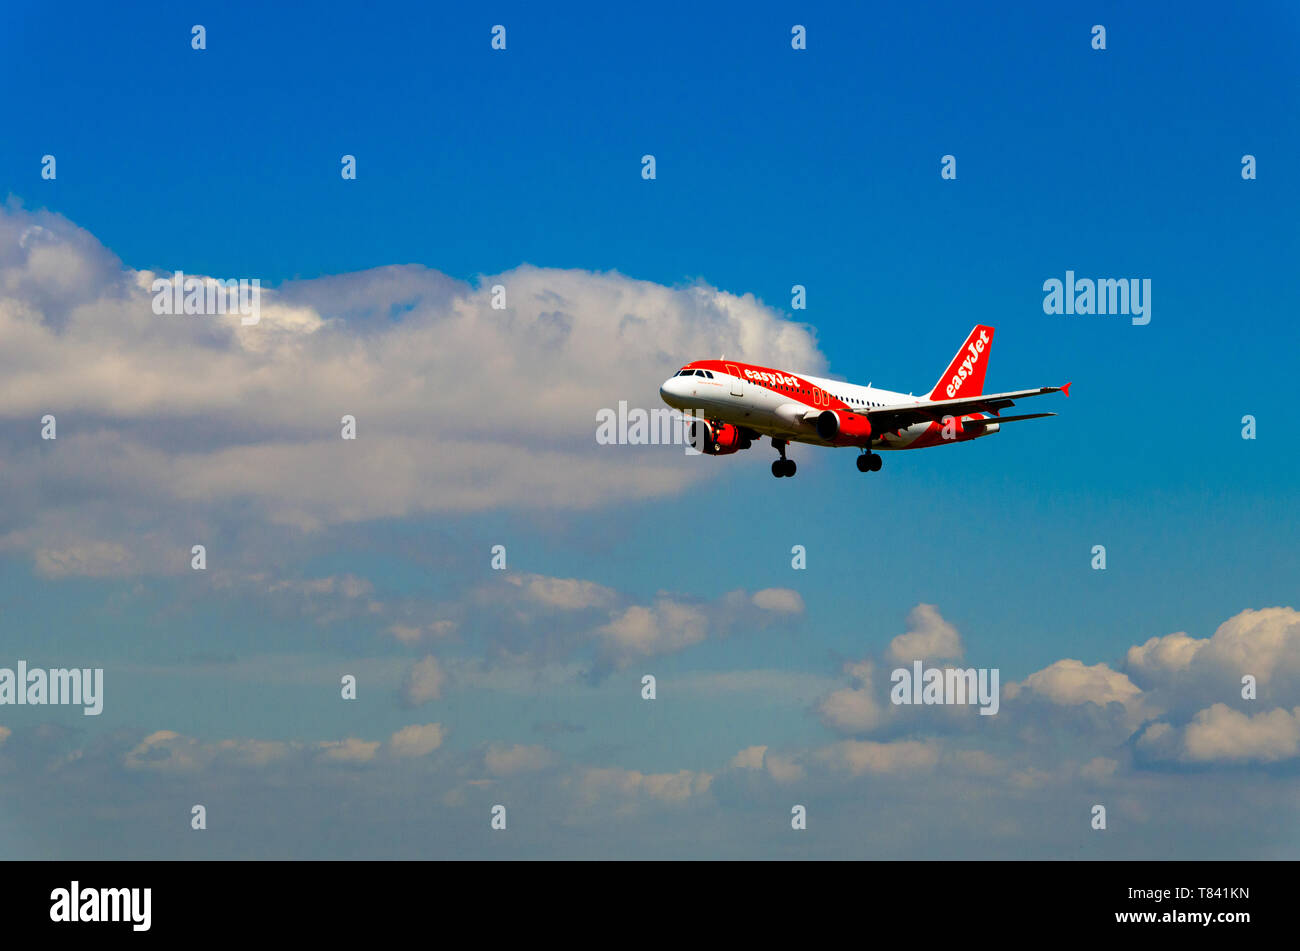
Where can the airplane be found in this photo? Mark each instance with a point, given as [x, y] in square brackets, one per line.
[732, 404]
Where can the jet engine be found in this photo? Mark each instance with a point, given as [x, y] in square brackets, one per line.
[844, 428]
[717, 439]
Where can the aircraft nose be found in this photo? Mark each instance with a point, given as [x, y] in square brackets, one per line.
[670, 390]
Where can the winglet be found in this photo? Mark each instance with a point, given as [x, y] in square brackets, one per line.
[1066, 389]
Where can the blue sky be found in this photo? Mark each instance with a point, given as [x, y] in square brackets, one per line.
[774, 167]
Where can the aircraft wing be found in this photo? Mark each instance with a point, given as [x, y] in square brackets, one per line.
[890, 418]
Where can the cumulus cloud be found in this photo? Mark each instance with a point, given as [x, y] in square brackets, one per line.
[1173, 652]
[1218, 752]
[1220, 734]
[865, 756]
[862, 707]
[164, 750]
[1223, 733]
[670, 623]
[645, 630]
[350, 750]
[1185, 672]
[855, 709]
[455, 411]
[1172, 690]
[417, 739]
[424, 682]
[928, 637]
[1070, 682]
[779, 601]
[781, 768]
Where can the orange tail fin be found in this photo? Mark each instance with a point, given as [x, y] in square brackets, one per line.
[965, 375]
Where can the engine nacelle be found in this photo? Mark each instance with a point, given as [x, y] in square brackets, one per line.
[717, 439]
[844, 428]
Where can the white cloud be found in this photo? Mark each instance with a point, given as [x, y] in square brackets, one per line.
[779, 601]
[170, 752]
[1168, 653]
[1188, 671]
[749, 758]
[424, 682]
[854, 709]
[866, 756]
[783, 769]
[641, 631]
[163, 750]
[417, 739]
[928, 637]
[1220, 734]
[1070, 682]
[91, 559]
[413, 634]
[670, 624]
[350, 750]
[564, 594]
[459, 407]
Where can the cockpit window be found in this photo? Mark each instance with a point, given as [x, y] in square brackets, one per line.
[709, 374]
[686, 373]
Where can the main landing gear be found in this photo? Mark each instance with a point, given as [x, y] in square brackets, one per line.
[869, 462]
[783, 466]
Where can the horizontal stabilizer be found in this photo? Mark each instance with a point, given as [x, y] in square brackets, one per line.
[1004, 419]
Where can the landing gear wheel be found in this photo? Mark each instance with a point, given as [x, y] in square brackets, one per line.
[864, 463]
[782, 466]
[876, 463]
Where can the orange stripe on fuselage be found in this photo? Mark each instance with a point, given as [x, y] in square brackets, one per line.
[775, 381]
